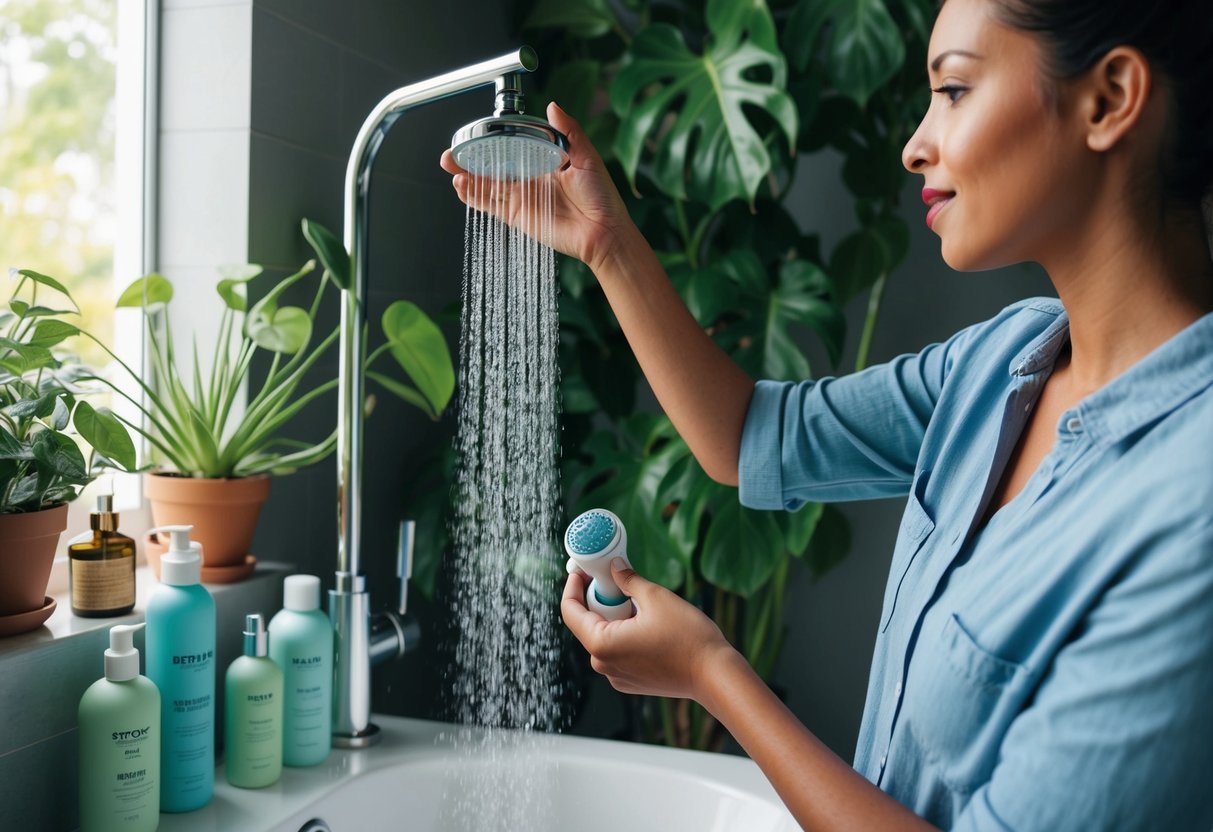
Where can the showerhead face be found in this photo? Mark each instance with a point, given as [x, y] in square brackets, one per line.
[510, 147]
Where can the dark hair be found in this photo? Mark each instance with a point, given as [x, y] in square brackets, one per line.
[1176, 37]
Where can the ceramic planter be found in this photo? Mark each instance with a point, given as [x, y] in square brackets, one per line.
[223, 513]
[27, 550]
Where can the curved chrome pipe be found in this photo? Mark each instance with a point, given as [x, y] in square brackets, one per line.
[349, 605]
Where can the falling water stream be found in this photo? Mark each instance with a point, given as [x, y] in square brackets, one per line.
[504, 678]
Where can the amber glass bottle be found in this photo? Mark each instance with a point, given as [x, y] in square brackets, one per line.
[102, 570]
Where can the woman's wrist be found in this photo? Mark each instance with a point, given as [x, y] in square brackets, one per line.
[617, 251]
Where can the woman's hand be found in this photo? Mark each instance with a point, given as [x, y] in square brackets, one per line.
[666, 649]
[588, 215]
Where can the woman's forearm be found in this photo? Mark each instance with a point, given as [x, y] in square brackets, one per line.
[705, 394]
[819, 788]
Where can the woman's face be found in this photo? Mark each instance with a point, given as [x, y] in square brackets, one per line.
[1003, 167]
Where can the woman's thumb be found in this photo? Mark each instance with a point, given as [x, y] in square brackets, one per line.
[626, 578]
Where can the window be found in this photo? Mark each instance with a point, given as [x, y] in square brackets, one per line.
[76, 169]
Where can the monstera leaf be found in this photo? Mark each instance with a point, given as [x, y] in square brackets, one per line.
[863, 47]
[694, 106]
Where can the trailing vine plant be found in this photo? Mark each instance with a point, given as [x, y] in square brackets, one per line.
[703, 111]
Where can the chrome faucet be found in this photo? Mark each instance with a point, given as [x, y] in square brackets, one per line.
[359, 642]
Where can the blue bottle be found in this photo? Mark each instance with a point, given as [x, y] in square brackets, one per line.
[181, 662]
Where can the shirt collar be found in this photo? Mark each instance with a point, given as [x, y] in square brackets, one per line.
[1173, 373]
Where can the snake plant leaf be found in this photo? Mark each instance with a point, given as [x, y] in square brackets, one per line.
[580, 18]
[419, 347]
[863, 46]
[329, 251]
[38, 277]
[711, 152]
[148, 290]
[286, 329]
[49, 333]
[742, 546]
[101, 429]
[231, 287]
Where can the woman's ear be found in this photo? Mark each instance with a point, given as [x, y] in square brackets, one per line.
[1116, 96]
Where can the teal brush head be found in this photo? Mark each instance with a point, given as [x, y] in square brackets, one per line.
[591, 532]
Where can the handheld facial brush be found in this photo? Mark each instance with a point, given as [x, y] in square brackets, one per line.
[592, 541]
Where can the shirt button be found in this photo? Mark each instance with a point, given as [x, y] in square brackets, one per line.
[1027, 407]
[884, 758]
[897, 689]
[1074, 424]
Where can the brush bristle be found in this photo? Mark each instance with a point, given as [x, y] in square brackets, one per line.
[590, 533]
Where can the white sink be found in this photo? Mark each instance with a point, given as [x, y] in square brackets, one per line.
[433, 777]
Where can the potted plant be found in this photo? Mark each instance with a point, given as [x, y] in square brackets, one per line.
[42, 467]
[213, 459]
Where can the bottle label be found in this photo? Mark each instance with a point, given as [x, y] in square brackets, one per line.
[103, 584]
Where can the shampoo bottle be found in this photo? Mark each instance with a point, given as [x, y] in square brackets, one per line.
[252, 721]
[301, 643]
[181, 661]
[119, 721]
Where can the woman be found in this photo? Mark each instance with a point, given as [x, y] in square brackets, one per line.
[1045, 654]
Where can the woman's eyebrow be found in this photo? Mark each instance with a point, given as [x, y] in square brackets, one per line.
[935, 64]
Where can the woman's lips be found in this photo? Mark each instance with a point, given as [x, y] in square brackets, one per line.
[936, 200]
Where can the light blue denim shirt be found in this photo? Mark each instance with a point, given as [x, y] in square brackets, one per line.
[1053, 669]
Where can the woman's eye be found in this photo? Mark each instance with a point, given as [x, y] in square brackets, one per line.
[952, 91]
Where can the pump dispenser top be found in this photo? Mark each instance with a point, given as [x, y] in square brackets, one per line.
[181, 565]
[122, 659]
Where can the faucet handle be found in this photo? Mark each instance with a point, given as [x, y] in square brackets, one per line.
[404, 562]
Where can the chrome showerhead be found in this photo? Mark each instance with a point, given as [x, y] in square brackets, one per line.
[509, 144]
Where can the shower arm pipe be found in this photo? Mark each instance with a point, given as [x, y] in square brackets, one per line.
[353, 308]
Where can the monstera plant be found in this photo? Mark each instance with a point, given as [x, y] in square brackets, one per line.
[703, 111]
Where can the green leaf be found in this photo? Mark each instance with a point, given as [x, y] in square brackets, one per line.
[48, 281]
[148, 290]
[708, 292]
[742, 546]
[285, 330]
[799, 526]
[409, 394]
[329, 251]
[419, 347]
[712, 151]
[13, 448]
[858, 262]
[102, 429]
[630, 472]
[60, 415]
[581, 18]
[58, 457]
[863, 45]
[231, 288]
[830, 542]
[28, 356]
[48, 333]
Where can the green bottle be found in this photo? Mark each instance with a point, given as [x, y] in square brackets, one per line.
[252, 725]
[119, 720]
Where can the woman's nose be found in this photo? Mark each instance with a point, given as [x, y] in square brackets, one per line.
[919, 151]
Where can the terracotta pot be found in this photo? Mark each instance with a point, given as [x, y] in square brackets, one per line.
[27, 550]
[223, 512]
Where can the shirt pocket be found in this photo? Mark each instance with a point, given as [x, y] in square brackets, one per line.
[960, 699]
[916, 527]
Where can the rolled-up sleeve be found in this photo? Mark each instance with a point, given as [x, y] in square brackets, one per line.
[851, 438]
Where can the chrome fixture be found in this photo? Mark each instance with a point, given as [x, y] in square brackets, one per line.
[359, 643]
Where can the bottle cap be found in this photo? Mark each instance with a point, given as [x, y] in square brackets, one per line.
[181, 565]
[104, 519]
[122, 659]
[256, 640]
[301, 593]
